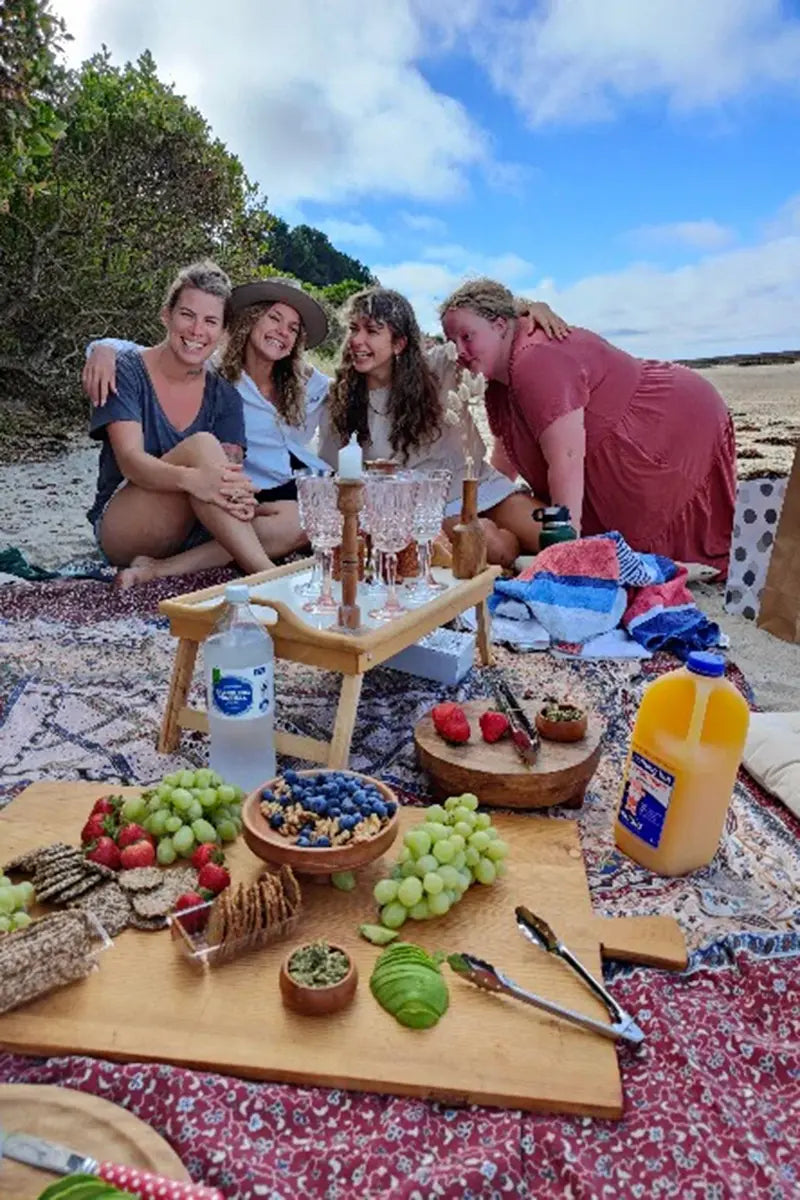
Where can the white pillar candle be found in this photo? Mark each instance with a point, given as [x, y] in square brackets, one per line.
[351, 460]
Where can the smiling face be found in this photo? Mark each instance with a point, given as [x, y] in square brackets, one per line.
[194, 325]
[373, 346]
[479, 342]
[275, 333]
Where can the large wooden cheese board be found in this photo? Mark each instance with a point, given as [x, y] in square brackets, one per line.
[146, 1002]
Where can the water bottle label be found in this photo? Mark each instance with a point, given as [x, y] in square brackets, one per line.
[241, 693]
[646, 799]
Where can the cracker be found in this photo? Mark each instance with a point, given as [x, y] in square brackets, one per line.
[77, 889]
[291, 887]
[56, 888]
[217, 929]
[26, 863]
[109, 904]
[50, 952]
[147, 924]
[141, 879]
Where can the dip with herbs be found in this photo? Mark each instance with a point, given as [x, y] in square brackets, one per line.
[318, 965]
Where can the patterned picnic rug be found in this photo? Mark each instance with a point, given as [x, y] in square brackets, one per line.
[711, 1099]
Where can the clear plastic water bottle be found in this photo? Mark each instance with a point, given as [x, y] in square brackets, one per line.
[240, 689]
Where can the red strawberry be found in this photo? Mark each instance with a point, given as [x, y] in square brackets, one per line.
[104, 851]
[129, 834]
[192, 922]
[440, 712]
[455, 727]
[96, 827]
[139, 854]
[208, 852]
[494, 725]
[213, 877]
[105, 805]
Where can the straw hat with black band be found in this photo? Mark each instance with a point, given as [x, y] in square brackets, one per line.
[286, 291]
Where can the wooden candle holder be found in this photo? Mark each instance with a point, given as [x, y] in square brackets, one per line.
[468, 537]
[350, 502]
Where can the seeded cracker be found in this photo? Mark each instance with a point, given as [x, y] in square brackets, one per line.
[51, 952]
[26, 863]
[141, 879]
[109, 904]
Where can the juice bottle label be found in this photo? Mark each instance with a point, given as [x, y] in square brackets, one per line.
[240, 693]
[646, 798]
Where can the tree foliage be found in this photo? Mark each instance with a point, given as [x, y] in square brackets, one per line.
[139, 187]
[308, 254]
[30, 84]
[110, 182]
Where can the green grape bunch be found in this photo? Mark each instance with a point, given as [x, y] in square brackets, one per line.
[453, 847]
[186, 810]
[15, 900]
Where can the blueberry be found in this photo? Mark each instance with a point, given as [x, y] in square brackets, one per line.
[267, 795]
[285, 799]
[302, 840]
[322, 841]
[335, 811]
[380, 810]
[276, 820]
[348, 806]
[391, 808]
[291, 777]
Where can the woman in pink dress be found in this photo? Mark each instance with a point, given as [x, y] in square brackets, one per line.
[646, 448]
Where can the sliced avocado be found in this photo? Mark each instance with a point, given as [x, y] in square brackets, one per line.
[379, 935]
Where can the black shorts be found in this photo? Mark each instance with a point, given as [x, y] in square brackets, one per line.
[284, 491]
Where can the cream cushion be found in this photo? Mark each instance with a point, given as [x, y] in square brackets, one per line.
[772, 755]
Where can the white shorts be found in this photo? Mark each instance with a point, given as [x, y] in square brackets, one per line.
[491, 491]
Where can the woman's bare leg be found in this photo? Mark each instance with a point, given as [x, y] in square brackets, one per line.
[502, 547]
[514, 514]
[138, 523]
[277, 527]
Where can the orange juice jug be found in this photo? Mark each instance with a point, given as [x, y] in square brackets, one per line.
[686, 747]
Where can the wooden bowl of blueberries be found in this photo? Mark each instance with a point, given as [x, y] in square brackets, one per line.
[320, 822]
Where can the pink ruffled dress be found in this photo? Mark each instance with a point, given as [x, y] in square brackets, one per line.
[660, 447]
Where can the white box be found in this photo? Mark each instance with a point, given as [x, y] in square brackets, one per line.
[442, 655]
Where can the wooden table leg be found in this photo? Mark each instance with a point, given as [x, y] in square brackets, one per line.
[345, 721]
[484, 633]
[181, 681]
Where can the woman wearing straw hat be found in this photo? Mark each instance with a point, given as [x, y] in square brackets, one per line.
[272, 322]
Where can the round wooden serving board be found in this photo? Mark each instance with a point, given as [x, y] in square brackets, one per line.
[496, 774]
[84, 1123]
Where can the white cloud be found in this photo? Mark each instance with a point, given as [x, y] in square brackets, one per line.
[353, 233]
[695, 235]
[582, 60]
[746, 298]
[787, 220]
[325, 103]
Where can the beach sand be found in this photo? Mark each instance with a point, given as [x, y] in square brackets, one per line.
[43, 511]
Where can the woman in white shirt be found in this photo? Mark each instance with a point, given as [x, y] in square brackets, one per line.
[401, 399]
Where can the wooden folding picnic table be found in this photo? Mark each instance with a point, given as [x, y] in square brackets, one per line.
[299, 636]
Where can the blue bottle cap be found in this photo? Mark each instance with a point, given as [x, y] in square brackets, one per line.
[704, 663]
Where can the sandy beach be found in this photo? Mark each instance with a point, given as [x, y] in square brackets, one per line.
[43, 511]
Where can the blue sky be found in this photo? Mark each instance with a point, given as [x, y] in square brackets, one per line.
[634, 162]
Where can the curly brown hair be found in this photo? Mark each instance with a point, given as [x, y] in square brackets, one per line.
[414, 404]
[289, 374]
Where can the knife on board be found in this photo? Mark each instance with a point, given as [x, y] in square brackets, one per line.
[524, 735]
[50, 1156]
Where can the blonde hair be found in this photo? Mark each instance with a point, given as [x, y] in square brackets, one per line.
[206, 276]
[485, 297]
[289, 374]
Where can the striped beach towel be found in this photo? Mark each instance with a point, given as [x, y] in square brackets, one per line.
[579, 590]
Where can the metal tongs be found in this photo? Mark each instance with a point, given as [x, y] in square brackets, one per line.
[536, 930]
